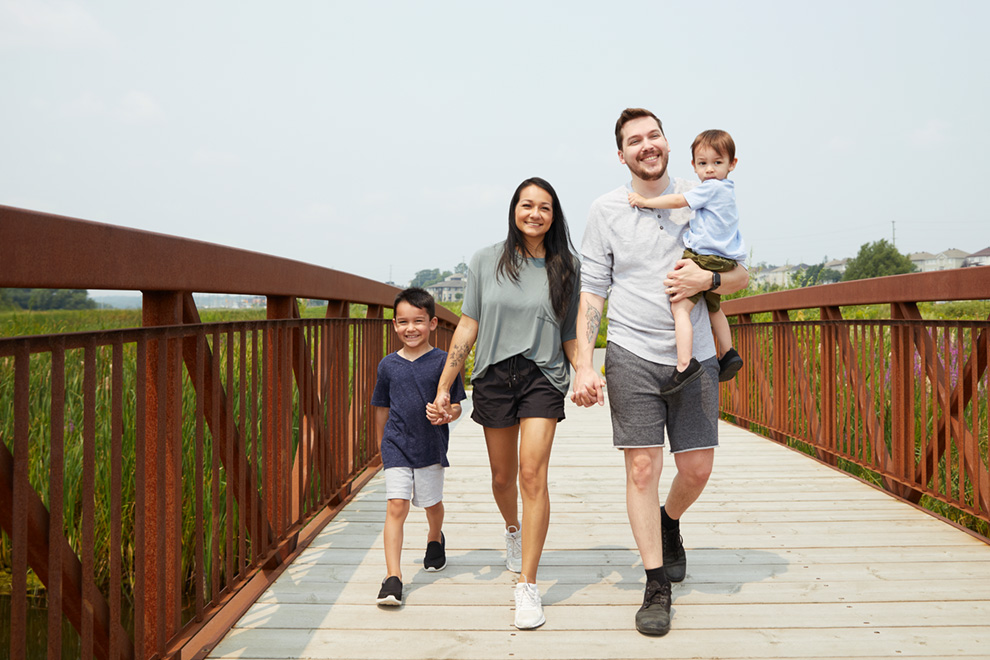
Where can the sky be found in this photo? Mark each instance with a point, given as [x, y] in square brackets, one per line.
[384, 138]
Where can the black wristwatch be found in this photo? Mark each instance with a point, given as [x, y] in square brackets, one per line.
[716, 281]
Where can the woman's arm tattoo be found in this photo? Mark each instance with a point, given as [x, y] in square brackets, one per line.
[458, 354]
[594, 319]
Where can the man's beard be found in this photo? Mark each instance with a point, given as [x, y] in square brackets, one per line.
[645, 175]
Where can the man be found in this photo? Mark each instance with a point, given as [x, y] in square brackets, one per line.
[633, 257]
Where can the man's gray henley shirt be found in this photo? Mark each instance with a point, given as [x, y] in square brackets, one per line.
[626, 255]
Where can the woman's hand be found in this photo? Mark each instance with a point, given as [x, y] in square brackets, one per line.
[440, 411]
[588, 388]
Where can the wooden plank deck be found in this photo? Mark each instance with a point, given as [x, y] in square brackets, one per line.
[786, 559]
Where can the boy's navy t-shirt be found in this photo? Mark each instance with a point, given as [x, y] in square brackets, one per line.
[404, 387]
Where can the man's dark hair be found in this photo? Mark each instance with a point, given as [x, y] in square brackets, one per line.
[417, 297]
[627, 116]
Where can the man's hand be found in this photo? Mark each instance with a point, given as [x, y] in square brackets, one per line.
[687, 279]
[588, 388]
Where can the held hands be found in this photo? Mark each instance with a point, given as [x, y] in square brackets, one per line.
[687, 279]
[440, 411]
[588, 388]
[635, 199]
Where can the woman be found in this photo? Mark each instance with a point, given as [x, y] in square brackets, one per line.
[520, 306]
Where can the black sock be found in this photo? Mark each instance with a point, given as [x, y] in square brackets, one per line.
[668, 522]
[656, 575]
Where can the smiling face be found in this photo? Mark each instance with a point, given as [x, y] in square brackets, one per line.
[709, 164]
[534, 215]
[644, 149]
[413, 326]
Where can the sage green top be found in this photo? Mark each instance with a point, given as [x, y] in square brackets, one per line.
[516, 318]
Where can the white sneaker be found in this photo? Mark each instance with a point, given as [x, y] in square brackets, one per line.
[529, 608]
[513, 549]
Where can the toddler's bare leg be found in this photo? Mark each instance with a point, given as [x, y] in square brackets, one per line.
[720, 328]
[683, 332]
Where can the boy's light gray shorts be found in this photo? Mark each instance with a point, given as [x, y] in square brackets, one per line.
[424, 486]
[640, 413]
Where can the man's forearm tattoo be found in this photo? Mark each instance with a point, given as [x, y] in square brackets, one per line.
[458, 354]
[594, 319]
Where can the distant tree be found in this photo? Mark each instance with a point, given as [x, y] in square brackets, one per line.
[426, 277]
[6, 302]
[461, 268]
[817, 274]
[877, 259]
[46, 299]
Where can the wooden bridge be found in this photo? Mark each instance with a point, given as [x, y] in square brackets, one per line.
[155, 481]
[787, 558]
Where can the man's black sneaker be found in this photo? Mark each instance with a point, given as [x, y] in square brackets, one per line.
[391, 592]
[436, 557]
[653, 618]
[728, 365]
[674, 557]
[682, 378]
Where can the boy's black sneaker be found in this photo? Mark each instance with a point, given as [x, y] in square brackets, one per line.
[653, 618]
[728, 365]
[683, 378]
[391, 592]
[674, 557]
[436, 556]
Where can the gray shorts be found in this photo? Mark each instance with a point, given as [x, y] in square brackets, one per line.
[424, 486]
[640, 413]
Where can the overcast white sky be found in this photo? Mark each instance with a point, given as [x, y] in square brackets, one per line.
[382, 138]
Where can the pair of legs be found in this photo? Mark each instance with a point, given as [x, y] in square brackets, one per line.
[520, 457]
[395, 518]
[643, 468]
[684, 331]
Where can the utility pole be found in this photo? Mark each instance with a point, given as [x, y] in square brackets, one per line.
[893, 232]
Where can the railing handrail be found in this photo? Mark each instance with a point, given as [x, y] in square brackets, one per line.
[902, 399]
[954, 284]
[299, 445]
[42, 250]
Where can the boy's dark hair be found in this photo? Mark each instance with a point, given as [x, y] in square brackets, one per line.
[719, 141]
[559, 259]
[417, 297]
[627, 116]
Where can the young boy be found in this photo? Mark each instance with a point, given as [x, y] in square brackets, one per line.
[413, 449]
[713, 242]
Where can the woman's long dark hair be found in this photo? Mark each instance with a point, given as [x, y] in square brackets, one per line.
[561, 271]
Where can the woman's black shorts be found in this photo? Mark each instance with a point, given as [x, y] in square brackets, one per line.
[511, 390]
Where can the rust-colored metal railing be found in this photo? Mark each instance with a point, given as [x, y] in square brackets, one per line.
[156, 480]
[904, 398]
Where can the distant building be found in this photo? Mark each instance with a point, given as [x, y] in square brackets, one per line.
[950, 259]
[780, 276]
[981, 258]
[921, 260]
[838, 265]
[450, 290]
[926, 262]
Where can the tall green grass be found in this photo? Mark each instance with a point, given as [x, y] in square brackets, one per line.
[215, 486]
